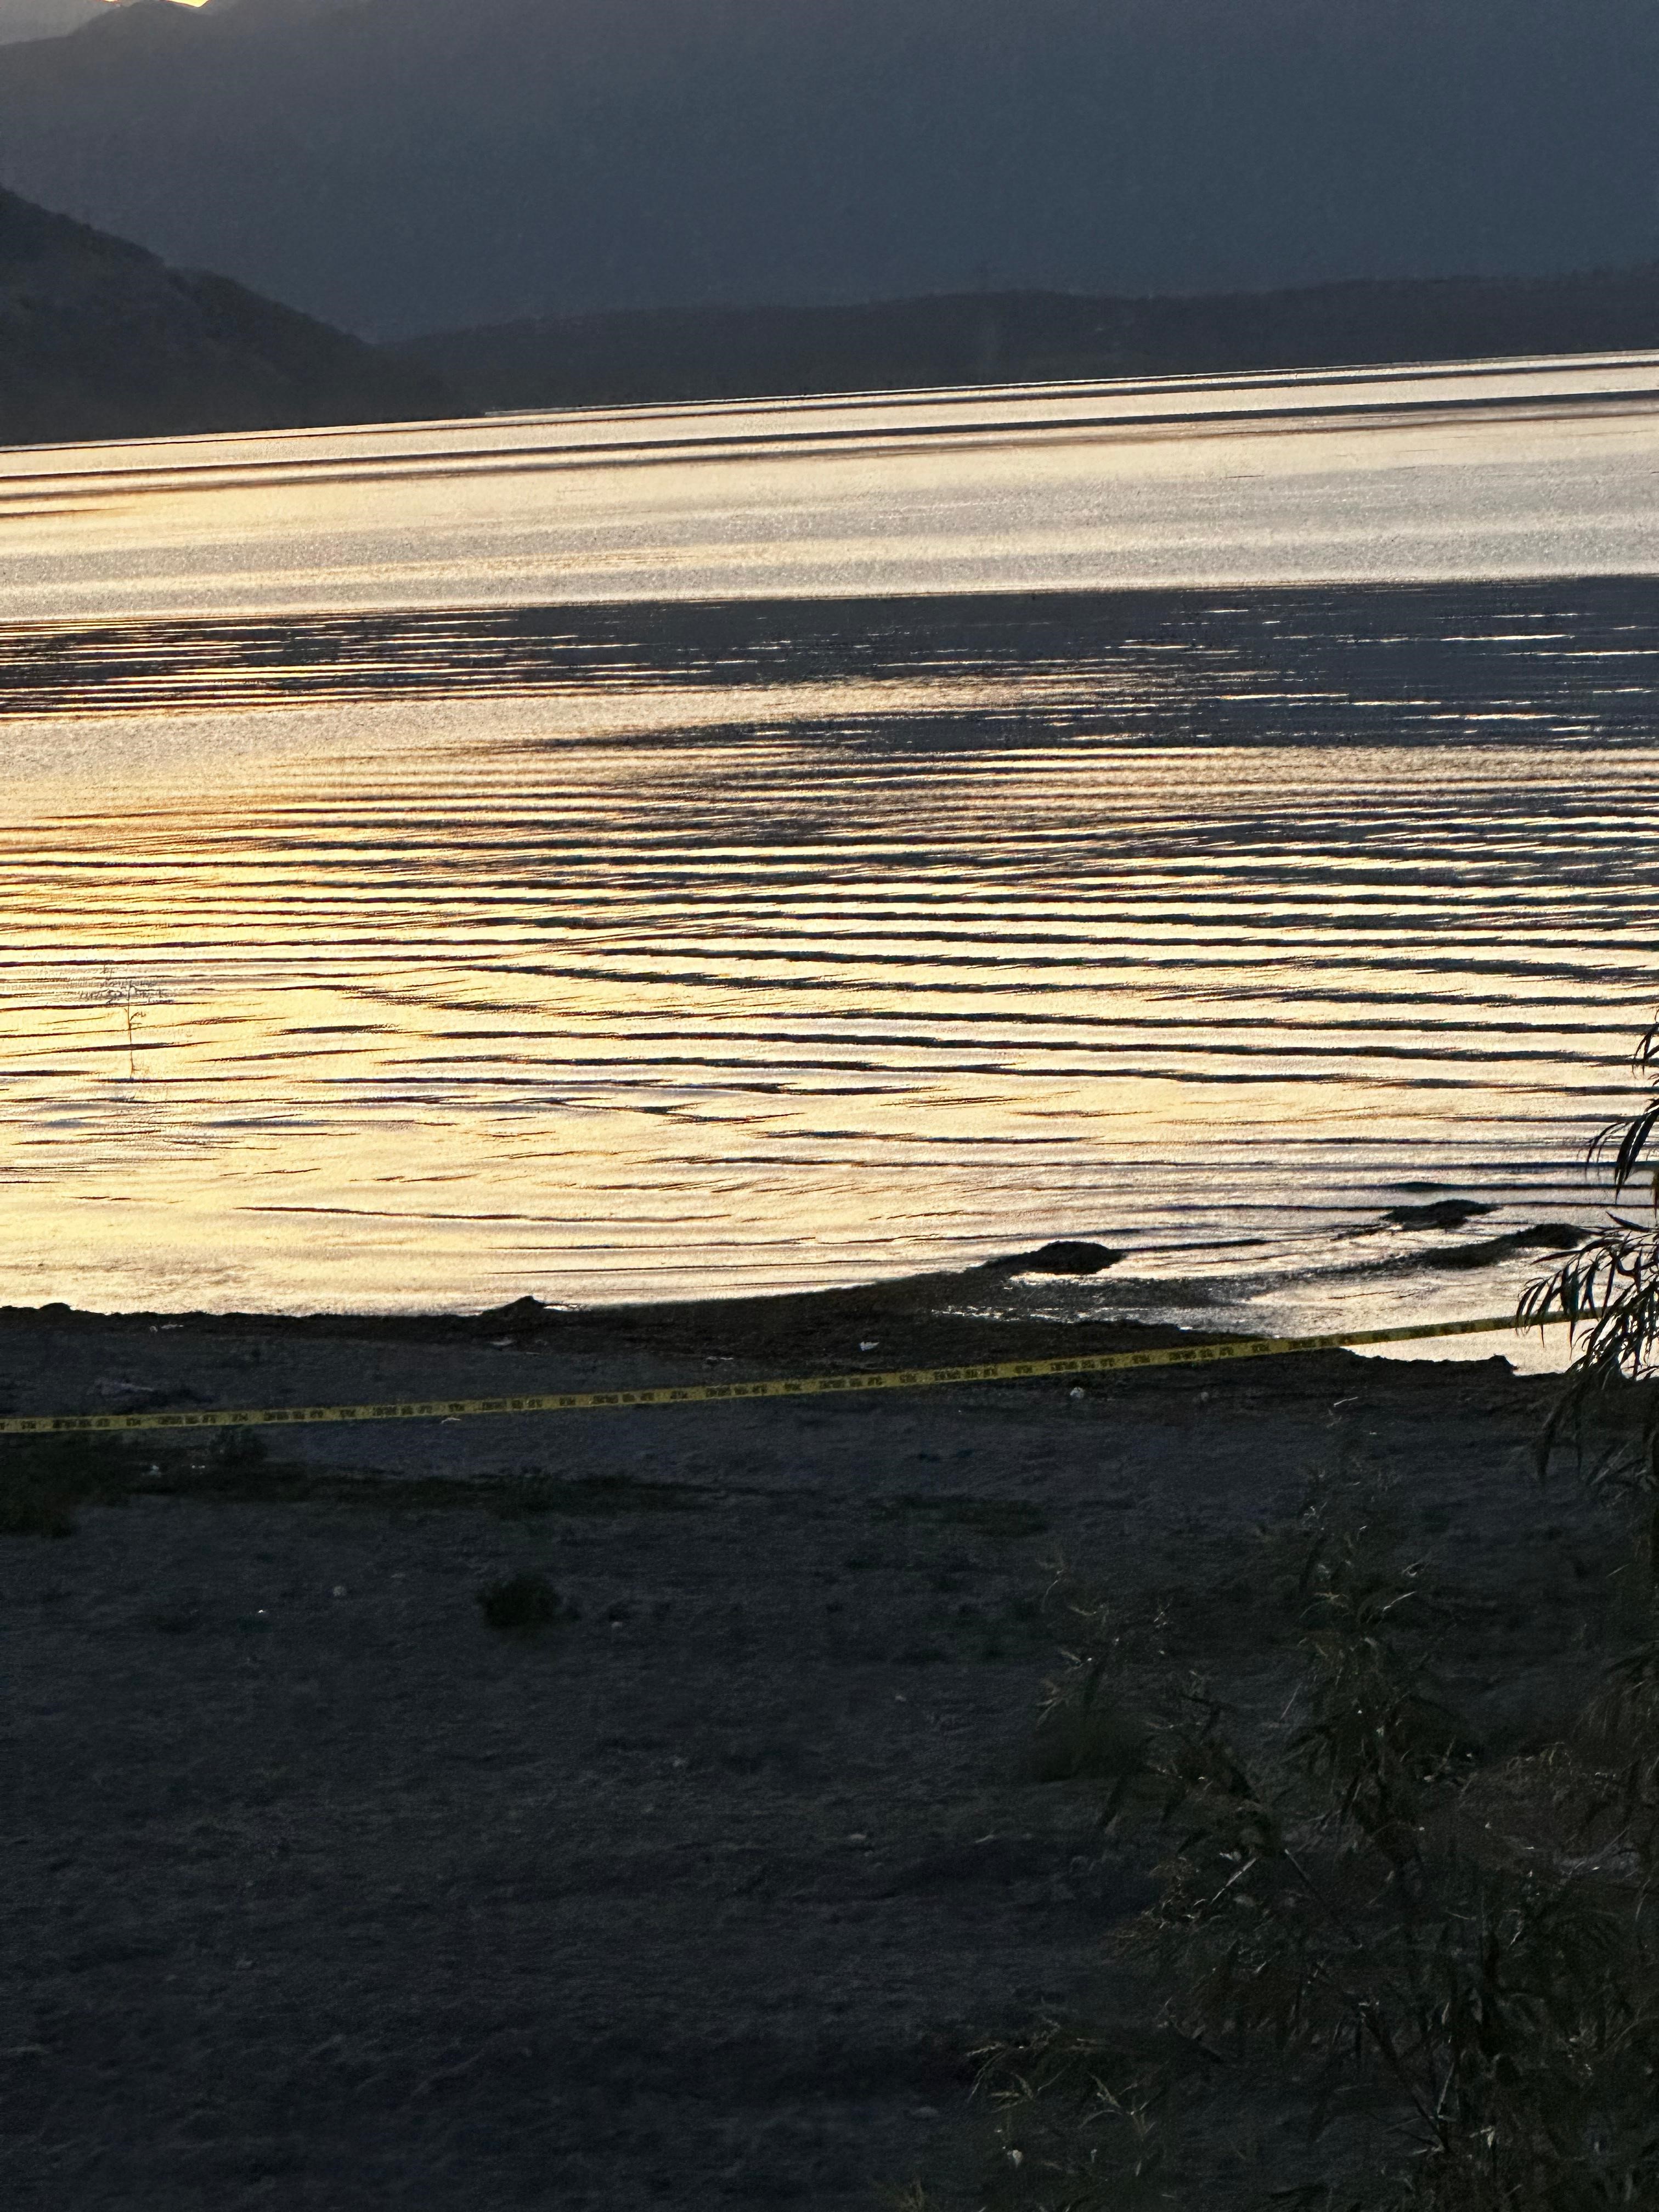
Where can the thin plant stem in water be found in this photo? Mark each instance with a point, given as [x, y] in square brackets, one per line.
[129, 995]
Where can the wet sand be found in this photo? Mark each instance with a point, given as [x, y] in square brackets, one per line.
[321, 1892]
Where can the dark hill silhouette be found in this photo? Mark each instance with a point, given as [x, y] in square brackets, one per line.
[398, 166]
[99, 339]
[739, 352]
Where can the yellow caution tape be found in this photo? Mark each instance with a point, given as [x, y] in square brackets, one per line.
[712, 1394]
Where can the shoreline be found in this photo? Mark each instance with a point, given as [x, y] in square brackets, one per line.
[57, 1360]
[928, 1308]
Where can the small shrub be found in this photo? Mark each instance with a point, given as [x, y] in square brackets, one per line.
[1607, 1292]
[523, 1605]
[1381, 1975]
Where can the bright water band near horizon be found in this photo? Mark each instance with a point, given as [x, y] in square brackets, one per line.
[688, 851]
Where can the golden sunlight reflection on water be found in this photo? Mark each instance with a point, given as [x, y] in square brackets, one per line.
[1516, 469]
[639, 951]
[453, 999]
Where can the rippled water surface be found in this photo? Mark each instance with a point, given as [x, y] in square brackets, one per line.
[389, 954]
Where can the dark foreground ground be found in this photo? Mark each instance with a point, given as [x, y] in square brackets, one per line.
[322, 1892]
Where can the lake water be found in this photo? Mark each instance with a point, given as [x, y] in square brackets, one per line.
[694, 850]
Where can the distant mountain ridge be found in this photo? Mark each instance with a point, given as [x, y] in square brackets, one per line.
[45, 18]
[99, 339]
[718, 353]
[398, 166]
[24, 19]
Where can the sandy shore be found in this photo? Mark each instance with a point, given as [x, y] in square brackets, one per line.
[322, 1892]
